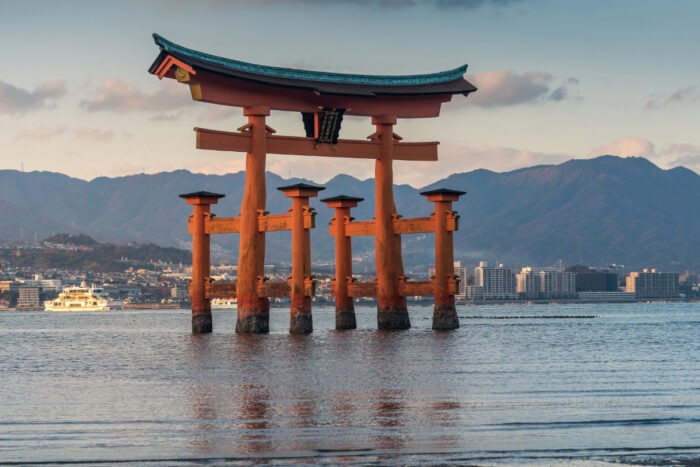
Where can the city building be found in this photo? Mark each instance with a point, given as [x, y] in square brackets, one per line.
[545, 283]
[607, 297]
[28, 299]
[557, 284]
[528, 283]
[498, 282]
[652, 284]
[47, 285]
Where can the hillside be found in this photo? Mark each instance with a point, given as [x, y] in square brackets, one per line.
[594, 211]
[81, 252]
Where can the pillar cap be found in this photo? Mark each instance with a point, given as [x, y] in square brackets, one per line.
[202, 194]
[443, 194]
[342, 201]
[202, 197]
[342, 198]
[301, 189]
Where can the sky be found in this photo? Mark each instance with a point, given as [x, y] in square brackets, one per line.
[557, 79]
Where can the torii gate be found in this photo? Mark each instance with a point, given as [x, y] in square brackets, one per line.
[322, 98]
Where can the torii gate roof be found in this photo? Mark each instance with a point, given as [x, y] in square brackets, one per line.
[233, 82]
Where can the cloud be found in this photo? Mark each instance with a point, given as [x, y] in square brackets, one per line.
[685, 155]
[218, 113]
[14, 100]
[115, 95]
[689, 93]
[507, 88]
[93, 135]
[40, 133]
[627, 147]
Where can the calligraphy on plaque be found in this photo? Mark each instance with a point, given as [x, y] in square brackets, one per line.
[323, 125]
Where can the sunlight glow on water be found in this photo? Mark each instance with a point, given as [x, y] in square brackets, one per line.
[621, 384]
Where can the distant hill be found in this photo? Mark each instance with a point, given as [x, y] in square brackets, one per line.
[81, 252]
[593, 211]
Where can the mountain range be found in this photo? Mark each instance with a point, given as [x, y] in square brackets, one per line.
[594, 211]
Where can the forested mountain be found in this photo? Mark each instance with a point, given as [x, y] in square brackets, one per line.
[593, 211]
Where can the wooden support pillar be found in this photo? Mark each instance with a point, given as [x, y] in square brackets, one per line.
[201, 262]
[344, 306]
[444, 313]
[300, 320]
[391, 306]
[253, 311]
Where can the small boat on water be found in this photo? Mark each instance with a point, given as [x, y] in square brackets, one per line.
[82, 298]
[224, 304]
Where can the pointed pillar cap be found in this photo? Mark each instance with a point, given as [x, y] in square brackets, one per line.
[202, 197]
[443, 194]
[342, 201]
[302, 190]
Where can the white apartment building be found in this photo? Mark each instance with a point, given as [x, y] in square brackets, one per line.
[652, 284]
[498, 282]
[546, 283]
[528, 283]
[44, 284]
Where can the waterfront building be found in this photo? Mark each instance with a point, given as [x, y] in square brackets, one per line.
[8, 286]
[596, 281]
[545, 283]
[28, 299]
[180, 293]
[652, 284]
[498, 282]
[606, 296]
[37, 280]
[528, 283]
[557, 284]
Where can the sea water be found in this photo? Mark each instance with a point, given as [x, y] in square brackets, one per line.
[515, 384]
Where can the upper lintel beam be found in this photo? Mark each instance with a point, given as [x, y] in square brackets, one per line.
[300, 146]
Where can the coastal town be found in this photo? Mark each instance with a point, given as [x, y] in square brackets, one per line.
[165, 284]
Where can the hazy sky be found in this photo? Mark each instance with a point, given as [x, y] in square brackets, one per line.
[557, 80]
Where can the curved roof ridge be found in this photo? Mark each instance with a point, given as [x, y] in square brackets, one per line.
[308, 75]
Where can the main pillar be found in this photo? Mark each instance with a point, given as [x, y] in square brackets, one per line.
[391, 306]
[253, 311]
[344, 306]
[201, 261]
[300, 320]
[444, 312]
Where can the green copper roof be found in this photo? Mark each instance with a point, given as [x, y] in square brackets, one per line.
[184, 54]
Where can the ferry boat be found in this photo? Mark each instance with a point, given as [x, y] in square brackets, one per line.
[82, 298]
[224, 304]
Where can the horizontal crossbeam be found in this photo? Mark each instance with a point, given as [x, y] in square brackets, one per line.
[222, 290]
[266, 223]
[401, 226]
[299, 146]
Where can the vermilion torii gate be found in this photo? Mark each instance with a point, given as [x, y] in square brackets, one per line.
[323, 99]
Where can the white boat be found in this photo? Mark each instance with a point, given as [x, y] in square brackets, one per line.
[82, 298]
[224, 304]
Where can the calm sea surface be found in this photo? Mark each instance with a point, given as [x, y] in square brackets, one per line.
[516, 384]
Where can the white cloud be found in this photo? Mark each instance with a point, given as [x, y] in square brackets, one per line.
[115, 95]
[627, 147]
[40, 133]
[505, 88]
[93, 135]
[14, 100]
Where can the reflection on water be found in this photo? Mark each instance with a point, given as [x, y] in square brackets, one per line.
[137, 386]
